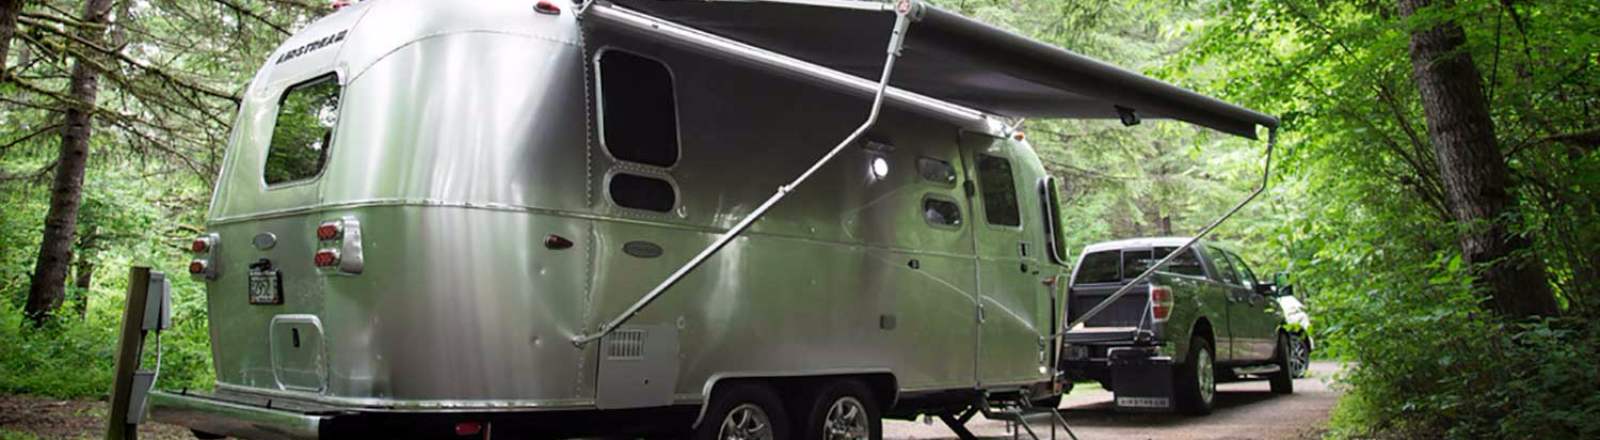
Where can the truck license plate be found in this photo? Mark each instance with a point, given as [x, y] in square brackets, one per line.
[265, 287]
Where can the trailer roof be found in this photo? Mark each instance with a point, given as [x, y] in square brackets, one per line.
[954, 58]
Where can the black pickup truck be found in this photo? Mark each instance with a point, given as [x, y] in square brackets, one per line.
[1201, 318]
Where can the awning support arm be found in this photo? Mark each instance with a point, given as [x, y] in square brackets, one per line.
[1266, 172]
[906, 11]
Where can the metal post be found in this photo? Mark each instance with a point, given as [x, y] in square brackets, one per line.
[1272, 141]
[906, 11]
[130, 344]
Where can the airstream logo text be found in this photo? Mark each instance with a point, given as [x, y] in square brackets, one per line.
[308, 47]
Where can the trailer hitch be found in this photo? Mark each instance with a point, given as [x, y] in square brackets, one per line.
[906, 11]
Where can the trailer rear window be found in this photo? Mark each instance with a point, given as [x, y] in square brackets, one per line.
[639, 113]
[303, 131]
[642, 192]
[999, 191]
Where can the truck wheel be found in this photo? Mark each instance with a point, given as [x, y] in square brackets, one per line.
[1196, 384]
[845, 410]
[1283, 380]
[1300, 363]
[744, 411]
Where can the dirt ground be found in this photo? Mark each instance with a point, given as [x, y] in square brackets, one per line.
[1244, 410]
[27, 417]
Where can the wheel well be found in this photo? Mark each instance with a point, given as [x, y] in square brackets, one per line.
[798, 391]
[1202, 327]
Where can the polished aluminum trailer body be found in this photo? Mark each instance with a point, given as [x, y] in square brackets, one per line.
[481, 233]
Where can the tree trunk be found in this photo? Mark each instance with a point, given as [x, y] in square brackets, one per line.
[1474, 172]
[84, 280]
[9, 9]
[66, 192]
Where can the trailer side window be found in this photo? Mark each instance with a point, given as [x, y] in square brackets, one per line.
[1055, 239]
[999, 191]
[941, 212]
[303, 131]
[639, 113]
[937, 171]
[641, 192]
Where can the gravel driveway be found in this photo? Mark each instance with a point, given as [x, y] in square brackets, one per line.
[1244, 410]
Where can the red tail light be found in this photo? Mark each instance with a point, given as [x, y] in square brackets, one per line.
[468, 428]
[330, 230]
[200, 245]
[1160, 302]
[546, 7]
[326, 258]
[197, 267]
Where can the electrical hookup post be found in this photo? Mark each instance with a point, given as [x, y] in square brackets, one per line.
[148, 309]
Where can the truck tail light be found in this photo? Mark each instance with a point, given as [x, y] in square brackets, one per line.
[205, 254]
[340, 245]
[1160, 302]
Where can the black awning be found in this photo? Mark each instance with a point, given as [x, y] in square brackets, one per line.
[954, 58]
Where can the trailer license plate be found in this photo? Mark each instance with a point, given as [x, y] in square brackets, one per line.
[265, 287]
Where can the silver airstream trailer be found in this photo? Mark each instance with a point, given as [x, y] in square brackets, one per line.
[535, 218]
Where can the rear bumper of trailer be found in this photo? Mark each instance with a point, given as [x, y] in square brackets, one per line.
[209, 414]
[262, 418]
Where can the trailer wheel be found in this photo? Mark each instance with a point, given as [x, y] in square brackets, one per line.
[1196, 384]
[1283, 380]
[844, 410]
[744, 411]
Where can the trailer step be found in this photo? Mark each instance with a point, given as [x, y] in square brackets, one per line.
[1015, 412]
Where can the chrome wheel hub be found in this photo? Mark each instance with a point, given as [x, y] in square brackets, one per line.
[1300, 357]
[746, 422]
[846, 420]
[1205, 376]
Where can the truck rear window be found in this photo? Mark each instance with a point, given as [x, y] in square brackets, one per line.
[1100, 267]
[1119, 266]
[303, 131]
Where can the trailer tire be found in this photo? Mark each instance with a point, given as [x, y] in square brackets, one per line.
[745, 410]
[849, 406]
[1196, 381]
[1283, 380]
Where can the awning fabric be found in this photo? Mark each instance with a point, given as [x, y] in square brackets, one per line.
[957, 59]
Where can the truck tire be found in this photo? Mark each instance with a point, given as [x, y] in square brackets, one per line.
[844, 410]
[1196, 381]
[744, 410]
[1283, 380]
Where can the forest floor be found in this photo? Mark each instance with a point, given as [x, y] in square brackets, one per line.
[28, 417]
[1244, 410]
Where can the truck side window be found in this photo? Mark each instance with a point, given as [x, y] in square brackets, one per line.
[999, 191]
[639, 113]
[642, 192]
[1100, 267]
[303, 131]
[1245, 275]
[1224, 267]
[941, 212]
[1186, 263]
